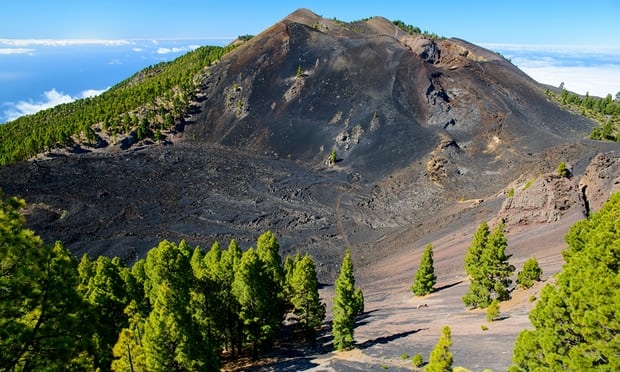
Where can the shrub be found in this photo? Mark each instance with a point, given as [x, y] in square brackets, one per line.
[332, 157]
[417, 360]
[493, 311]
[529, 183]
[531, 273]
[563, 171]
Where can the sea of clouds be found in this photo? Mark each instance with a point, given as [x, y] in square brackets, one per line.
[582, 69]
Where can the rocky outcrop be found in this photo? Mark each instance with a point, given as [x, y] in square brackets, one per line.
[545, 199]
[600, 180]
[551, 197]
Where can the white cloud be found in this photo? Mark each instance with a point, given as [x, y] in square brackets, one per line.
[597, 81]
[22, 43]
[92, 92]
[49, 99]
[16, 50]
[577, 49]
[582, 68]
[171, 50]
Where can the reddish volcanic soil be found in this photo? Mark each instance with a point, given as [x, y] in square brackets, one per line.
[397, 324]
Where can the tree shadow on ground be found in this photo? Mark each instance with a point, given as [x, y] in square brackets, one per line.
[298, 362]
[447, 286]
[293, 351]
[387, 339]
[363, 319]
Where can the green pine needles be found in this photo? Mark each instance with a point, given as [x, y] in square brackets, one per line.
[305, 296]
[425, 277]
[487, 266]
[346, 306]
[576, 322]
[441, 358]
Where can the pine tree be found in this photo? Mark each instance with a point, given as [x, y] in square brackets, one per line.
[493, 311]
[487, 267]
[267, 249]
[233, 328]
[107, 293]
[441, 358]
[206, 302]
[289, 268]
[531, 273]
[86, 270]
[173, 338]
[498, 269]
[345, 306]
[128, 351]
[474, 252]
[576, 322]
[425, 277]
[43, 319]
[358, 299]
[251, 288]
[305, 295]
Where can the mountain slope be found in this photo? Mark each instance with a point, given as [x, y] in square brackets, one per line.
[369, 90]
[432, 136]
[418, 124]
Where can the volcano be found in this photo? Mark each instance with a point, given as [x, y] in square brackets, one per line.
[340, 135]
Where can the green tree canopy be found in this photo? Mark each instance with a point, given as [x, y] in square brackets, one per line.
[487, 267]
[345, 305]
[425, 277]
[107, 294]
[531, 273]
[441, 358]
[305, 298]
[577, 320]
[251, 288]
[43, 319]
[173, 338]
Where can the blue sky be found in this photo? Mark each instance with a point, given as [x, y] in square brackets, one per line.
[521, 22]
[577, 43]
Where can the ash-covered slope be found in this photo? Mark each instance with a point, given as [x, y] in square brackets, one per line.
[420, 126]
[383, 99]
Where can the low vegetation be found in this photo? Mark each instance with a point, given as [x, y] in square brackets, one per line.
[441, 358]
[563, 170]
[493, 311]
[530, 274]
[605, 111]
[149, 103]
[415, 30]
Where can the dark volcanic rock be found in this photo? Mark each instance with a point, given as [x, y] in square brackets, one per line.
[418, 125]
